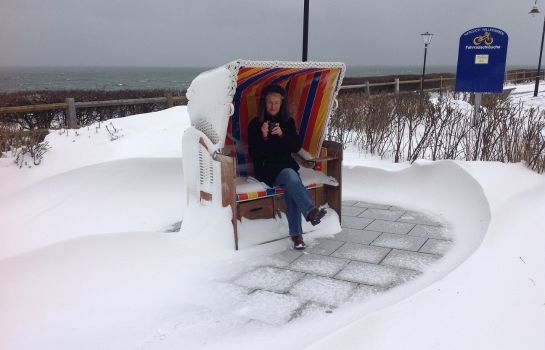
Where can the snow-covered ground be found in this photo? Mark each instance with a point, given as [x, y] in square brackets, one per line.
[87, 260]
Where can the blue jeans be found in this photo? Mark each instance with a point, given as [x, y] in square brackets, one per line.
[296, 197]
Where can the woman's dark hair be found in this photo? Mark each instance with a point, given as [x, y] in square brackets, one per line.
[283, 114]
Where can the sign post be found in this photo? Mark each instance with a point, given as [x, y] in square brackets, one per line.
[481, 63]
[476, 114]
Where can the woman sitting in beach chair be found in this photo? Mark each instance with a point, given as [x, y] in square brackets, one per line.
[272, 138]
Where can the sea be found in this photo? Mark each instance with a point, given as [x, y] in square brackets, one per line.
[14, 79]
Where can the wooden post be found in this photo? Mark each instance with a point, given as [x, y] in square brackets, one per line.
[71, 121]
[396, 86]
[170, 100]
[367, 88]
[441, 86]
[228, 189]
[334, 168]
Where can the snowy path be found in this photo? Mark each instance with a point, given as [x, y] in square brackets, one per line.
[380, 247]
[259, 294]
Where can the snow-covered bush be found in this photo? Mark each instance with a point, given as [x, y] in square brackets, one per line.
[27, 148]
[408, 126]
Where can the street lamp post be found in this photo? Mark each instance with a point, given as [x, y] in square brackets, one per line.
[426, 37]
[534, 12]
[305, 31]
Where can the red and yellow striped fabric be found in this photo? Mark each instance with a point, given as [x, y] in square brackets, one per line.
[310, 93]
[241, 197]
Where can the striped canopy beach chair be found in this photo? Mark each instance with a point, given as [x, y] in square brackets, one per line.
[221, 104]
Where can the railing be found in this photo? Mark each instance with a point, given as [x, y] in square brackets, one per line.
[396, 84]
[444, 83]
[70, 105]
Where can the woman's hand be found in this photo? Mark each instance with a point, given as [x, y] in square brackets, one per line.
[277, 131]
[265, 130]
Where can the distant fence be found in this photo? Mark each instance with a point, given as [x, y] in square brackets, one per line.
[436, 84]
[70, 105]
[443, 83]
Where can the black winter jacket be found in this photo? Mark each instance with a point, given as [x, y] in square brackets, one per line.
[273, 154]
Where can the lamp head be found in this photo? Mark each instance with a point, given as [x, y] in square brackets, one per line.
[534, 11]
[426, 37]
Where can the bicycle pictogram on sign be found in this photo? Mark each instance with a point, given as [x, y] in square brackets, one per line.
[486, 38]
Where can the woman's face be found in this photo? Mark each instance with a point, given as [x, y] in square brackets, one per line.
[273, 101]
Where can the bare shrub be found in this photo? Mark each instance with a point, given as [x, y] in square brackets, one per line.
[24, 146]
[374, 131]
[410, 126]
[113, 132]
[342, 126]
[35, 151]
[447, 132]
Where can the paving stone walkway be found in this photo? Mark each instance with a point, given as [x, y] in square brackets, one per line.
[379, 247]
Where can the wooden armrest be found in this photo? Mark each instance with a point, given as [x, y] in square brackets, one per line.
[323, 159]
[302, 161]
[310, 163]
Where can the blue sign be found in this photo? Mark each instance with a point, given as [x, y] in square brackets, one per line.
[481, 60]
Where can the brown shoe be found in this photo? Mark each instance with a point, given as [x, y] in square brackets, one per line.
[298, 243]
[315, 215]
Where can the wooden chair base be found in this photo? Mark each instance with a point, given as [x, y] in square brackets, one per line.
[269, 207]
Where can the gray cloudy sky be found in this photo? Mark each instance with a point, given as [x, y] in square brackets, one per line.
[210, 33]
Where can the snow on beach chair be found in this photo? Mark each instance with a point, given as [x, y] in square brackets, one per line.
[222, 102]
